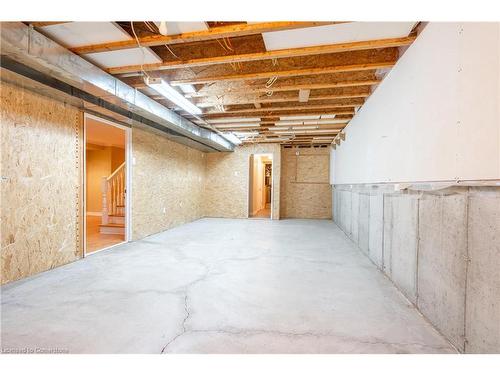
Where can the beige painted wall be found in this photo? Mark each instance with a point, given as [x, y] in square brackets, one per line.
[306, 191]
[167, 183]
[117, 157]
[227, 183]
[40, 195]
[100, 163]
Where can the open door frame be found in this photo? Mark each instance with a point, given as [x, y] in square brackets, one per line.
[250, 183]
[128, 180]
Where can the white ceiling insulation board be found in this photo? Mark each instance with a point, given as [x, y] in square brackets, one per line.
[123, 57]
[174, 28]
[235, 119]
[76, 34]
[300, 117]
[333, 34]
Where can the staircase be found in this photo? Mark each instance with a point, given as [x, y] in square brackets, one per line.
[113, 202]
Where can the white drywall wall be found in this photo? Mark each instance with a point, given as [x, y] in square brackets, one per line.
[435, 117]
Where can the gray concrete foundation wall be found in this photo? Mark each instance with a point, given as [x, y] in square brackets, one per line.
[441, 248]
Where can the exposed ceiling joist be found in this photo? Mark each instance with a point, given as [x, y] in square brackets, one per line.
[332, 111]
[284, 53]
[49, 23]
[286, 73]
[280, 88]
[198, 36]
[275, 99]
[288, 108]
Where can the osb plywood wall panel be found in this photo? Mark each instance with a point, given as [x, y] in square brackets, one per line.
[167, 183]
[305, 188]
[227, 181]
[313, 168]
[40, 186]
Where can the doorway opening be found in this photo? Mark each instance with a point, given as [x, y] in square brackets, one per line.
[106, 184]
[260, 186]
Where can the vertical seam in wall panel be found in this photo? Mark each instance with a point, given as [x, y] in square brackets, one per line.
[417, 251]
[78, 187]
[467, 261]
[350, 217]
[383, 233]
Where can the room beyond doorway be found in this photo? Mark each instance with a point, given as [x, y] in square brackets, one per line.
[105, 184]
[260, 186]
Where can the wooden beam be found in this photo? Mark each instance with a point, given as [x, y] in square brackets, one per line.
[43, 24]
[275, 99]
[332, 111]
[278, 88]
[282, 53]
[288, 108]
[198, 36]
[285, 73]
[265, 128]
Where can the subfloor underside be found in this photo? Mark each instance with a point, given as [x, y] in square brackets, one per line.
[219, 286]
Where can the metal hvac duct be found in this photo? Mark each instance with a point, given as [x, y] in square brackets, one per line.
[27, 52]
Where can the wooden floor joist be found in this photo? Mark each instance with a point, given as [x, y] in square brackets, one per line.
[214, 116]
[275, 99]
[281, 88]
[325, 107]
[285, 73]
[48, 23]
[198, 36]
[283, 53]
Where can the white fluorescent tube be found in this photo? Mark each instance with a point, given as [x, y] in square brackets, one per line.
[163, 88]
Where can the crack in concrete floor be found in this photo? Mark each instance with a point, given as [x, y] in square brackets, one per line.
[234, 294]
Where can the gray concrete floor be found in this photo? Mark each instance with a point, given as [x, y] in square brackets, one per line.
[219, 286]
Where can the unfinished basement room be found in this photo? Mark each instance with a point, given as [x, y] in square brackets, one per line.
[276, 187]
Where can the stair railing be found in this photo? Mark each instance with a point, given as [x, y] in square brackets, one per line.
[113, 194]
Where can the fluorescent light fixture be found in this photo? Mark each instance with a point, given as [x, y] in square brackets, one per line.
[232, 138]
[236, 119]
[163, 88]
[241, 125]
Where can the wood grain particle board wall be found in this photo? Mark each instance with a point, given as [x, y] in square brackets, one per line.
[41, 145]
[168, 181]
[226, 193]
[305, 189]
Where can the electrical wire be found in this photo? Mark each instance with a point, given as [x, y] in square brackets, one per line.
[172, 52]
[149, 26]
[141, 48]
[271, 82]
